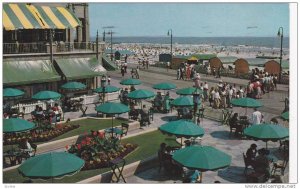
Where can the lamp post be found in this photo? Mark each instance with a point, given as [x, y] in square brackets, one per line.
[103, 84]
[109, 33]
[97, 48]
[280, 34]
[170, 33]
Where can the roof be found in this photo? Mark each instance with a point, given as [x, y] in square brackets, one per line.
[228, 59]
[203, 56]
[27, 16]
[28, 72]
[79, 68]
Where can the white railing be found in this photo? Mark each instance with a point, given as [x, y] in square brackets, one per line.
[92, 99]
[87, 99]
[29, 107]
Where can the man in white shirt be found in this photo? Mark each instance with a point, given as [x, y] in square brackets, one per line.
[256, 117]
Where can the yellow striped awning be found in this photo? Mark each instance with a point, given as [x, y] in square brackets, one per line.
[27, 16]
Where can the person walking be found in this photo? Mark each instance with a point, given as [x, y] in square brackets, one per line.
[205, 91]
[122, 71]
[108, 80]
[256, 117]
[178, 73]
[181, 73]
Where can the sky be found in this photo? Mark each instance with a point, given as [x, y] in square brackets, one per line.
[190, 19]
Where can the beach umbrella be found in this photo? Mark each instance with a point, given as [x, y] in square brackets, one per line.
[182, 128]
[51, 165]
[203, 158]
[246, 103]
[188, 91]
[183, 101]
[266, 132]
[164, 86]
[12, 93]
[285, 115]
[112, 108]
[107, 89]
[73, 86]
[130, 82]
[17, 125]
[46, 95]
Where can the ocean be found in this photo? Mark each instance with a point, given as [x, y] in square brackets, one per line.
[269, 42]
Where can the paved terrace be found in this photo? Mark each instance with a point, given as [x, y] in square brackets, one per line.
[216, 134]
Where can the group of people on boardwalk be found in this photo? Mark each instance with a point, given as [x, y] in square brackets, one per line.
[186, 72]
[261, 82]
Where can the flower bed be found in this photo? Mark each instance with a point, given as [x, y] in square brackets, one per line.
[97, 150]
[38, 135]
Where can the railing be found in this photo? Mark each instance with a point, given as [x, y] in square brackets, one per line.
[87, 99]
[23, 48]
[20, 48]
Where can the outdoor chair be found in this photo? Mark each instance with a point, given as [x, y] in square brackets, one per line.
[280, 165]
[151, 112]
[124, 127]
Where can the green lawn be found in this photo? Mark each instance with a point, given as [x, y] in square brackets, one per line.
[86, 125]
[148, 146]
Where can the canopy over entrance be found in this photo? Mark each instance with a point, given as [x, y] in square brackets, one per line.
[27, 16]
[80, 68]
[28, 72]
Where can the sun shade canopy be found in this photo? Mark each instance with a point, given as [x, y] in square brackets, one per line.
[27, 16]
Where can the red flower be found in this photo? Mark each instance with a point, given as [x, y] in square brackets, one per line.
[101, 135]
[67, 147]
[78, 146]
[83, 142]
[88, 139]
[88, 143]
[95, 133]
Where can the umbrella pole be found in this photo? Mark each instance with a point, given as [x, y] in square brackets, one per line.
[112, 126]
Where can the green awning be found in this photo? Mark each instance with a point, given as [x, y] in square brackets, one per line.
[80, 68]
[28, 72]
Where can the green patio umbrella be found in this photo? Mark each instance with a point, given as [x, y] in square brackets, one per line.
[130, 82]
[107, 89]
[17, 125]
[112, 108]
[73, 86]
[182, 128]
[285, 115]
[12, 93]
[51, 165]
[188, 91]
[46, 95]
[164, 86]
[141, 94]
[246, 103]
[203, 158]
[266, 132]
[183, 101]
